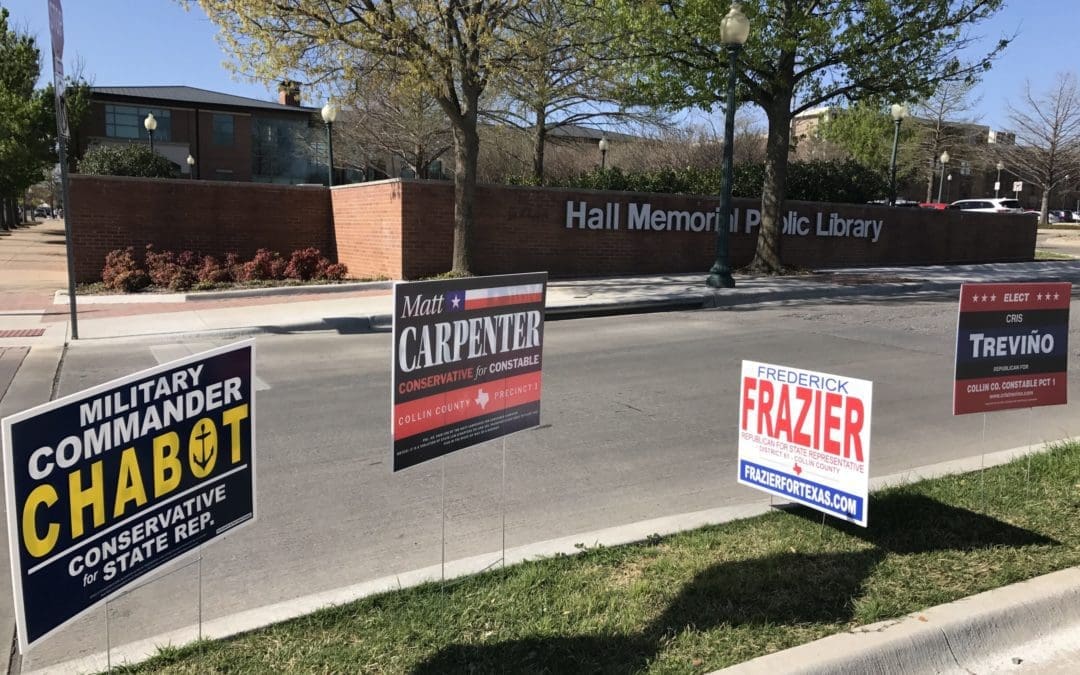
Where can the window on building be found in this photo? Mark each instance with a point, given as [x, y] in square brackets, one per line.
[124, 121]
[223, 129]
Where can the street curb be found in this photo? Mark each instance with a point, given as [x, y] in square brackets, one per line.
[974, 634]
[61, 296]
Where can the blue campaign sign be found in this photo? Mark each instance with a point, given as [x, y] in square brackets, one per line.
[107, 485]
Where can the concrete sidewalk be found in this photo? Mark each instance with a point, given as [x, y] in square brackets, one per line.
[361, 307]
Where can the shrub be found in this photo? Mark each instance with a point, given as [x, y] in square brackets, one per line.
[263, 266]
[332, 271]
[159, 265]
[122, 272]
[212, 272]
[304, 264]
[127, 160]
[235, 266]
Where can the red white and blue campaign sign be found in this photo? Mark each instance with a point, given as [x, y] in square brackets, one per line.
[804, 436]
[107, 485]
[467, 360]
[1012, 346]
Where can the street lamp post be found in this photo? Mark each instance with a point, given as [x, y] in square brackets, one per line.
[150, 124]
[329, 114]
[603, 152]
[734, 29]
[948, 193]
[941, 183]
[191, 166]
[899, 112]
[997, 183]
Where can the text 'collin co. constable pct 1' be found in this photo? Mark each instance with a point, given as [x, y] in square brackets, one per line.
[109, 484]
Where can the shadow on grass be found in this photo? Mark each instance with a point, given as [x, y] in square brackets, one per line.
[786, 588]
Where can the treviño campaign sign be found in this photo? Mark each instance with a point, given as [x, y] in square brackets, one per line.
[805, 436]
[106, 485]
[467, 360]
[1012, 346]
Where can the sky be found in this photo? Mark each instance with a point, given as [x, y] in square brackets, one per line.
[157, 42]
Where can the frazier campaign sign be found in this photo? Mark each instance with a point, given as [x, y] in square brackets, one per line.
[467, 356]
[805, 436]
[109, 484]
[1012, 346]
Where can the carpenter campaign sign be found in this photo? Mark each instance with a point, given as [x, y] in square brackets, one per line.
[1012, 346]
[467, 357]
[805, 436]
[109, 484]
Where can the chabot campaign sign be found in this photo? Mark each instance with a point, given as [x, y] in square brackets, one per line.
[109, 484]
[805, 436]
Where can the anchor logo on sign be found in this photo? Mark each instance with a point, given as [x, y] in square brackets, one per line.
[205, 455]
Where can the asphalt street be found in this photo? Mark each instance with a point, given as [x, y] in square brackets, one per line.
[639, 420]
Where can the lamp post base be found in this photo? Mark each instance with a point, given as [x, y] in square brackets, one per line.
[720, 280]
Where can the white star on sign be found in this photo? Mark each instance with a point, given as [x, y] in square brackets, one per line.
[482, 399]
[1056, 296]
[1039, 296]
[975, 298]
[993, 298]
[984, 298]
[455, 301]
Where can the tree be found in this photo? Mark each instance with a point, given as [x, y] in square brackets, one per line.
[132, 159]
[448, 50]
[940, 120]
[800, 55]
[559, 76]
[383, 117]
[865, 131]
[1047, 148]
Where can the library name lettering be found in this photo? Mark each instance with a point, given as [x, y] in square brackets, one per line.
[643, 217]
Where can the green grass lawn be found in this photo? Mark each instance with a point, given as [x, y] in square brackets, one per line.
[1050, 255]
[695, 601]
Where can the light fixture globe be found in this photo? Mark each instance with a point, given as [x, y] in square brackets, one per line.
[898, 111]
[734, 27]
[1001, 166]
[329, 112]
[190, 160]
[150, 123]
[603, 144]
[945, 157]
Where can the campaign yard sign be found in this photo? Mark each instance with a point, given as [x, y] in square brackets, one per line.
[467, 358]
[804, 436]
[107, 485]
[1012, 346]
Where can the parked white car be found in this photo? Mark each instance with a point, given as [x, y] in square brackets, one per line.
[988, 205]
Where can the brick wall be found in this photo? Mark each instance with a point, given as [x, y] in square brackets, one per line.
[403, 229]
[209, 217]
[524, 229]
[367, 228]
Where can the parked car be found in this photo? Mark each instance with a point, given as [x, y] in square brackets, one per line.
[1050, 217]
[1063, 216]
[934, 205]
[988, 205]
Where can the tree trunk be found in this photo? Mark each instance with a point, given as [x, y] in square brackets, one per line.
[773, 190]
[930, 182]
[1044, 207]
[539, 139]
[466, 152]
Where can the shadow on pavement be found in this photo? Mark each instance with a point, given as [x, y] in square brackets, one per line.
[786, 588]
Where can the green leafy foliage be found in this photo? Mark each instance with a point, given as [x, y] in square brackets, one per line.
[25, 149]
[845, 181]
[127, 160]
